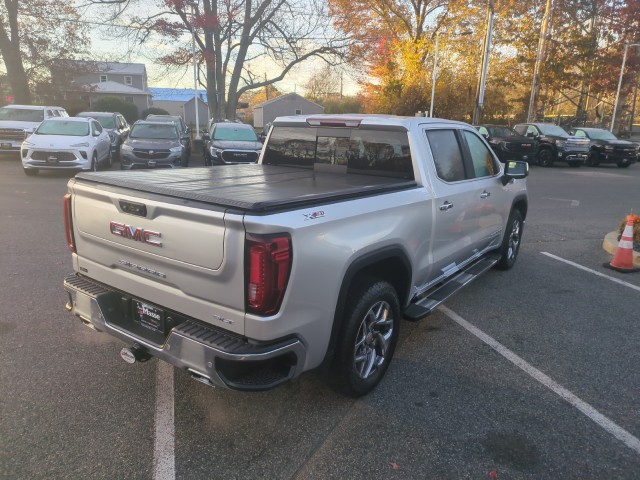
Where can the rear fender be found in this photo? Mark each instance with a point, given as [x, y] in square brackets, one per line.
[390, 264]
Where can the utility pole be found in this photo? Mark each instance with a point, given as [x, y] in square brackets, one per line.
[477, 112]
[624, 61]
[535, 83]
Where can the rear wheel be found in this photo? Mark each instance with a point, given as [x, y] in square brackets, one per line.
[623, 165]
[370, 326]
[545, 158]
[511, 241]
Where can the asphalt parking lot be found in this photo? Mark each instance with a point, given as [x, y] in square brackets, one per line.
[531, 373]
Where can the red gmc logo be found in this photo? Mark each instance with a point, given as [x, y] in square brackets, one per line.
[135, 233]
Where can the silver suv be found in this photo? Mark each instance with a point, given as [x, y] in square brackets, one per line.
[115, 125]
[17, 122]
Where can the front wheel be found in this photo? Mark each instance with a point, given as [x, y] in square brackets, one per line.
[368, 337]
[623, 165]
[511, 241]
[94, 162]
[545, 158]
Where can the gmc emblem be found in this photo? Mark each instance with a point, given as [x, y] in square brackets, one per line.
[138, 234]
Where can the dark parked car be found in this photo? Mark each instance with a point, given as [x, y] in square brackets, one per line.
[555, 144]
[153, 145]
[185, 132]
[115, 125]
[230, 142]
[507, 144]
[606, 148]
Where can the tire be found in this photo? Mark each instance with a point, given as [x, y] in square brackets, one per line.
[623, 165]
[593, 159]
[30, 172]
[94, 162]
[511, 241]
[368, 336]
[545, 158]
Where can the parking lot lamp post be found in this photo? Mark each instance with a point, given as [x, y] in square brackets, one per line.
[615, 104]
[195, 68]
[434, 75]
[477, 112]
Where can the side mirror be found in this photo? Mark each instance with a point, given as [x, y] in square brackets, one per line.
[485, 135]
[514, 170]
[205, 137]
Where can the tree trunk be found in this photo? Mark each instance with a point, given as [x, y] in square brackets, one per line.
[10, 50]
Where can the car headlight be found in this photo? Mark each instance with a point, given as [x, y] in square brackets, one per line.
[561, 143]
[80, 145]
[112, 137]
[175, 149]
[126, 148]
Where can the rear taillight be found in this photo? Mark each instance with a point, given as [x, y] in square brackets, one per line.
[68, 223]
[268, 263]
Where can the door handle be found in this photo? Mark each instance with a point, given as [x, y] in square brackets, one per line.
[484, 194]
[446, 206]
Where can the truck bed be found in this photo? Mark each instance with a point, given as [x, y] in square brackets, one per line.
[250, 188]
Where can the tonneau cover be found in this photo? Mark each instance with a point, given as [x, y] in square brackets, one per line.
[255, 188]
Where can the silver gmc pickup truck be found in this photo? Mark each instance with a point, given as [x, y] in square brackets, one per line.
[249, 275]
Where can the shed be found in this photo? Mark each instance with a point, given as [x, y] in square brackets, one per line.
[289, 104]
[179, 101]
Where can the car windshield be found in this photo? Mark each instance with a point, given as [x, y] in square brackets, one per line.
[70, 128]
[501, 132]
[165, 131]
[235, 133]
[553, 130]
[21, 114]
[601, 135]
[107, 121]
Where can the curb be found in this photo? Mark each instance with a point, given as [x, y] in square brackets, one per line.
[610, 244]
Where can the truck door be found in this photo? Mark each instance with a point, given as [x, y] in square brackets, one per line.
[467, 191]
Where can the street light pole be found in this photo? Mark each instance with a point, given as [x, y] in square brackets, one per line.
[435, 76]
[477, 112]
[535, 82]
[195, 69]
[624, 61]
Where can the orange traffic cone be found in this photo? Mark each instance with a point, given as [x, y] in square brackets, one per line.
[623, 257]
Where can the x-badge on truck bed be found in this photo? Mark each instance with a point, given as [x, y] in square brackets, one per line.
[249, 275]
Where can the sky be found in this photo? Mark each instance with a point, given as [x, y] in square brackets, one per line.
[113, 49]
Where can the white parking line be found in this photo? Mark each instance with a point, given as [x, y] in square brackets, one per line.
[620, 433]
[164, 465]
[577, 265]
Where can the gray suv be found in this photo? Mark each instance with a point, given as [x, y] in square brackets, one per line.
[153, 145]
[229, 142]
[185, 132]
[115, 125]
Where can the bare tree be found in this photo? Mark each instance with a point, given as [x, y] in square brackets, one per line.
[34, 35]
[323, 83]
[235, 39]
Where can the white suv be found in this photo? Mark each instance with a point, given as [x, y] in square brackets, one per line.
[17, 122]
